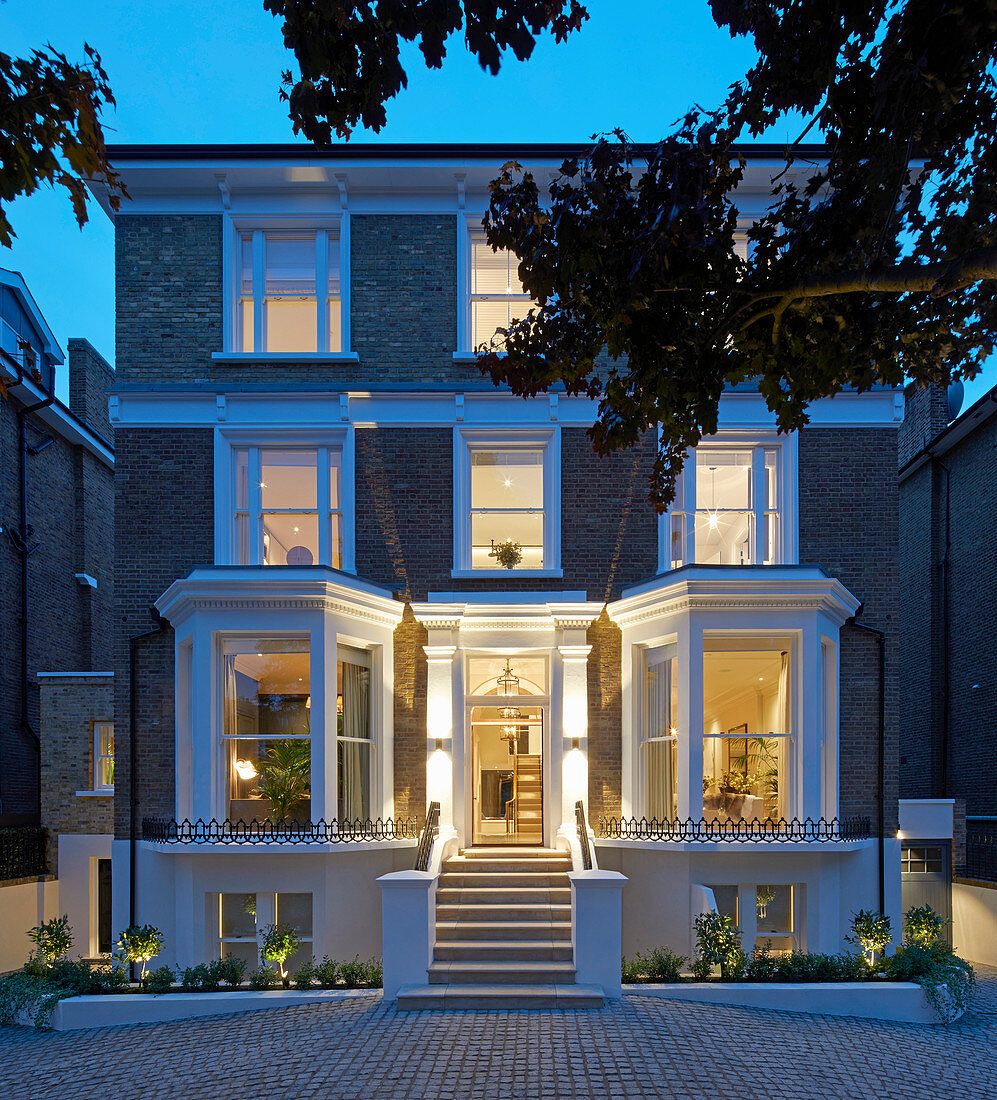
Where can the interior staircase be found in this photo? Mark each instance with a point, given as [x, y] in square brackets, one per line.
[527, 807]
[503, 934]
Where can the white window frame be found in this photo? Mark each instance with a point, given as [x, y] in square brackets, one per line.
[469, 226]
[228, 441]
[266, 914]
[787, 465]
[644, 656]
[99, 758]
[325, 227]
[465, 440]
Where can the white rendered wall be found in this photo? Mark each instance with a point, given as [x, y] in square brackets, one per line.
[77, 899]
[346, 903]
[662, 895]
[21, 908]
[974, 922]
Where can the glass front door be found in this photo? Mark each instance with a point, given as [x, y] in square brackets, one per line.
[507, 773]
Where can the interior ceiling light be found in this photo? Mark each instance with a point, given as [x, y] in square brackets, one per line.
[508, 684]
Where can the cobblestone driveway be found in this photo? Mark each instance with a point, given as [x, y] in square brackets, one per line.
[642, 1047]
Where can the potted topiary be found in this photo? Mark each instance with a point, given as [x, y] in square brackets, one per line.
[872, 932]
[138, 944]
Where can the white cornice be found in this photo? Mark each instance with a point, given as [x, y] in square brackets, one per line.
[175, 406]
[505, 617]
[212, 588]
[799, 589]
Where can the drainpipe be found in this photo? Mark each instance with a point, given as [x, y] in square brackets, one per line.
[133, 759]
[20, 540]
[943, 771]
[881, 743]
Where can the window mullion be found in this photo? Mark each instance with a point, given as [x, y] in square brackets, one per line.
[758, 504]
[322, 289]
[322, 506]
[255, 501]
[689, 506]
[259, 275]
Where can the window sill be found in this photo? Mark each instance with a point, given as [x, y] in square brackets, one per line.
[107, 792]
[512, 574]
[471, 356]
[285, 357]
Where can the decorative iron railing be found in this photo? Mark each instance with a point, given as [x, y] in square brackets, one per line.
[430, 832]
[772, 832]
[22, 852]
[164, 831]
[583, 836]
[981, 851]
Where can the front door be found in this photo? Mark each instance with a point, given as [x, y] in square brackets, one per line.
[507, 774]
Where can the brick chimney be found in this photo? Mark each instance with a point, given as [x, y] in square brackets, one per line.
[926, 413]
[90, 377]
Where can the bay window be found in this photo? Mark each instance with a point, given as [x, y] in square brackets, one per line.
[747, 742]
[659, 733]
[288, 505]
[266, 729]
[289, 299]
[728, 507]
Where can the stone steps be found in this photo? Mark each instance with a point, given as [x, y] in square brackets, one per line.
[504, 931]
[510, 972]
[539, 911]
[502, 895]
[480, 951]
[414, 998]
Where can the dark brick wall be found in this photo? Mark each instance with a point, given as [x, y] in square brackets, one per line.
[848, 524]
[164, 526]
[405, 516]
[925, 415]
[90, 378]
[69, 494]
[605, 697]
[410, 717]
[970, 490]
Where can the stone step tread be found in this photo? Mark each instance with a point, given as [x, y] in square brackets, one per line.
[524, 931]
[527, 851]
[491, 997]
[506, 867]
[500, 878]
[525, 952]
[503, 895]
[541, 913]
[496, 971]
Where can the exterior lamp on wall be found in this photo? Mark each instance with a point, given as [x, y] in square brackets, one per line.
[439, 744]
[575, 741]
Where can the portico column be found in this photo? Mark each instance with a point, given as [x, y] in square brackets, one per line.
[574, 729]
[439, 731]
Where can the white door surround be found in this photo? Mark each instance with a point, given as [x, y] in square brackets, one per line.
[458, 630]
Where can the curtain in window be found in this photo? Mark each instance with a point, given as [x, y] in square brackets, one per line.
[356, 755]
[784, 742]
[658, 755]
[231, 696]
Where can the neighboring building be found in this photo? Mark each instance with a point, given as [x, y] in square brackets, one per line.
[56, 574]
[312, 480]
[948, 496]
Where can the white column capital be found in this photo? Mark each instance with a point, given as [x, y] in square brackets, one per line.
[439, 653]
[574, 652]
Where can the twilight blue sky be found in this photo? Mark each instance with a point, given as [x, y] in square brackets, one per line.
[190, 71]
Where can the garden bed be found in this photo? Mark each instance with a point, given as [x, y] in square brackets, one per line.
[117, 1009]
[901, 1002]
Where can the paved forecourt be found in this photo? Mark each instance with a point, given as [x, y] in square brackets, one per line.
[640, 1047]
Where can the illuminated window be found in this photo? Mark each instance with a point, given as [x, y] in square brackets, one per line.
[241, 917]
[727, 508]
[747, 725]
[355, 743]
[289, 297]
[496, 296]
[266, 729]
[288, 506]
[103, 756]
[659, 733]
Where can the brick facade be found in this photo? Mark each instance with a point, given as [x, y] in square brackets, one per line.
[949, 614]
[69, 502]
[848, 525]
[605, 746]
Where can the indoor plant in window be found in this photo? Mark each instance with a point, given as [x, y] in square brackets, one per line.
[508, 554]
[727, 793]
[285, 777]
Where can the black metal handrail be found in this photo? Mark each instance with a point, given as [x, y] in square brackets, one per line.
[429, 833]
[22, 852]
[772, 832]
[981, 851]
[583, 836]
[165, 831]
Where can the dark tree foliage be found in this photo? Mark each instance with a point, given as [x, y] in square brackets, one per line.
[874, 262]
[50, 129]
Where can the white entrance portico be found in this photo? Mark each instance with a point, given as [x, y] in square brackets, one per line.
[469, 646]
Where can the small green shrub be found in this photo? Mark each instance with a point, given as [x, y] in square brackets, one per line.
[659, 965]
[361, 973]
[304, 976]
[138, 944]
[52, 938]
[923, 927]
[872, 932]
[326, 973]
[36, 989]
[229, 969]
[159, 980]
[935, 968]
[702, 969]
[632, 970]
[277, 943]
[194, 978]
[264, 978]
[718, 943]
